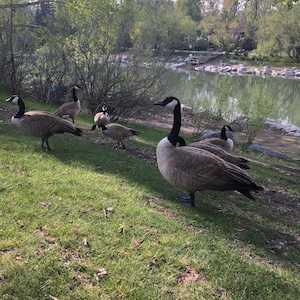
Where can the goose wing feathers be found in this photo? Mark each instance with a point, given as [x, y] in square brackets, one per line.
[239, 161]
[43, 124]
[198, 170]
[119, 131]
[68, 109]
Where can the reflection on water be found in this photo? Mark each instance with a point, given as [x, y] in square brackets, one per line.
[231, 95]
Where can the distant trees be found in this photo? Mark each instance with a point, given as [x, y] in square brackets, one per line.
[85, 41]
[282, 38]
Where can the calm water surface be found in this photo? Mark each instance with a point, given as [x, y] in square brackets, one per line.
[232, 95]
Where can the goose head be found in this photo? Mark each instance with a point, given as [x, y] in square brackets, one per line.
[174, 104]
[14, 99]
[75, 88]
[223, 132]
[17, 100]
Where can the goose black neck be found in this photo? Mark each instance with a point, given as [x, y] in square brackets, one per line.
[21, 111]
[223, 133]
[103, 127]
[173, 136]
[74, 95]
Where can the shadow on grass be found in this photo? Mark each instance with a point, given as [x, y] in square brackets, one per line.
[230, 215]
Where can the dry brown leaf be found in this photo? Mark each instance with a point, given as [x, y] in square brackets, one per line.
[86, 242]
[101, 272]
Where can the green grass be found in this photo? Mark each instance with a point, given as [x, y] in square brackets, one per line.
[85, 221]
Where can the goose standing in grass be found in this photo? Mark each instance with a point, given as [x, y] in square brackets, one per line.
[193, 169]
[40, 123]
[117, 132]
[70, 109]
[224, 141]
[101, 118]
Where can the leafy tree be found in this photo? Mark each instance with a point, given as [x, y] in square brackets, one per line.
[282, 38]
[16, 50]
[158, 26]
[256, 106]
[220, 26]
[189, 8]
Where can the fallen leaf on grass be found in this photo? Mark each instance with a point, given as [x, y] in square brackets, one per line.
[51, 297]
[100, 273]
[86, 242]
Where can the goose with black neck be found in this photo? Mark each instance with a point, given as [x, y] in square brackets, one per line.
[192, 169]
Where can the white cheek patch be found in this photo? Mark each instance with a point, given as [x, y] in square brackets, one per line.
[15, 100]
[172, 104]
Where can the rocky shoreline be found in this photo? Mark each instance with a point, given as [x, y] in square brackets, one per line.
[216, 64]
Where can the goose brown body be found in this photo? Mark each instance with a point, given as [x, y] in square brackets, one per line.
[193, 169]
[117, 132]
[40, 123]
[70, 109]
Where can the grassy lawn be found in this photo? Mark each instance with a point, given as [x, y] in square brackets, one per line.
[85, 221]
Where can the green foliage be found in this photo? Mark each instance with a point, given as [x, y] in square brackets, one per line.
[283, 38]
[256, 106]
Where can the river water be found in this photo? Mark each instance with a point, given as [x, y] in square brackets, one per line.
[234, 96]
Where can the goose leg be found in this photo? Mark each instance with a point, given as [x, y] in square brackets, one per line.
[122, 144]
[45, 140]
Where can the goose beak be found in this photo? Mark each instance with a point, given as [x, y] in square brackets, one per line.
[161, 103]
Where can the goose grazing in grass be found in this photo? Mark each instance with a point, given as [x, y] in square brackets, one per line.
[101, 118]
[40, 123]
[117, 132]
[193, 169]
[224, 142]
[70, 109]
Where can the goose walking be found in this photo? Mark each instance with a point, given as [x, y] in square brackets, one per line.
[117, 132]
[40, 123]
[101, 118]
[193, 169]
[224, 141]
[70, 109]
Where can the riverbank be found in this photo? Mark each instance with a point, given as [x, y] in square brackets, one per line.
[220, 65]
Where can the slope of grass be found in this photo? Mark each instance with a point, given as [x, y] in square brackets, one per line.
[85, 221]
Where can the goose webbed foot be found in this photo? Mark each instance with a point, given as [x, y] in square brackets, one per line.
[186, 200]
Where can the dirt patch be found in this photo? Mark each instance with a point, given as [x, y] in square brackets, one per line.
[190, 275]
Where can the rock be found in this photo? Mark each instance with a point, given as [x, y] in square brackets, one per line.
[271, 152]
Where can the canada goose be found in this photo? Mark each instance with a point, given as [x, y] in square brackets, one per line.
[239, 161]
[101, 117]
[40, 123]
[70, 109]
[117, 132]
[193, 169]
[224, 142]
